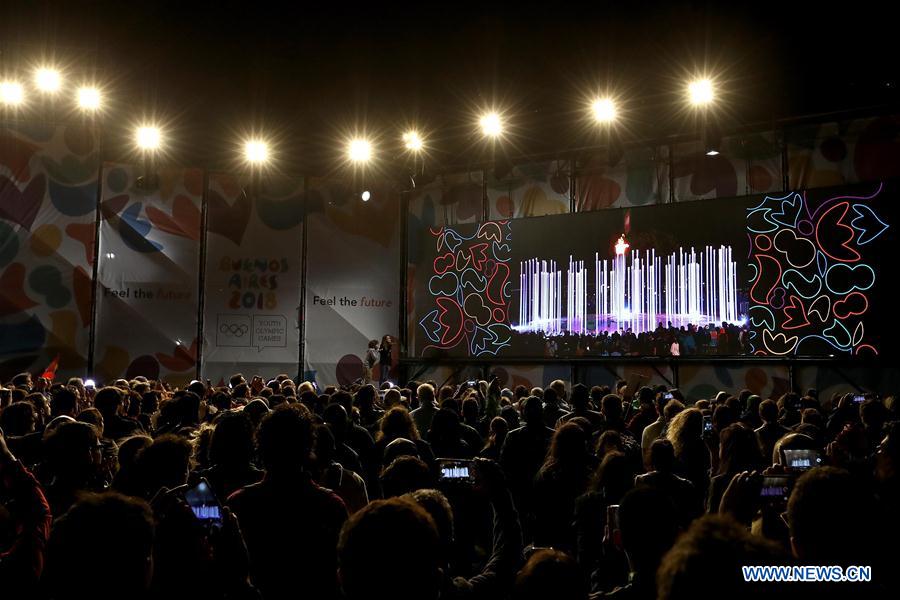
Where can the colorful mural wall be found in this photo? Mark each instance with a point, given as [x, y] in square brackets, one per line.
[55, 197]
[48, 205]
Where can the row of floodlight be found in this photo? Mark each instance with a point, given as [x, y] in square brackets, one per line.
[48, 81]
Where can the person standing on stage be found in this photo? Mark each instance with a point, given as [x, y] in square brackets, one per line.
[370, 359]
[385, 357]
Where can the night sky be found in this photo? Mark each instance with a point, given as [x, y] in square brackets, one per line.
[310, 74]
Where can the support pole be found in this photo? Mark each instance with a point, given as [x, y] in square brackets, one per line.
[201, 296]
[95, 268]
[301, 310]
[403, 322]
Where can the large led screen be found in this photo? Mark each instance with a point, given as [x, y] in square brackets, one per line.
[797, 274]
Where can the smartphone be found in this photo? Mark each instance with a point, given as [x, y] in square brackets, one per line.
[89, 383]
[668, 396]
[455, 470]
[707, 425]
[802, 460]
[859, 398]
[612, 517]
[775, 491]
[204, 504]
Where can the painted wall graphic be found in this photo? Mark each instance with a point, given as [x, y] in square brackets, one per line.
[466, 300]
[353, 278]
[532, 190]
[448, 200]
[610, 373]
[148, 277]
[828, 381]
[252, 277]
[696, 381]
[699, 382]
[838, 153]
[530, 375]
[821, 273]
[48, 201]
[441, 374]
[638, 178]
[745, 165]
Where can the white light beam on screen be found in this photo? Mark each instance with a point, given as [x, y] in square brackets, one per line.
[635, 290]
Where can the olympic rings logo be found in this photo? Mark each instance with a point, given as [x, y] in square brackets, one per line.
[235, 329]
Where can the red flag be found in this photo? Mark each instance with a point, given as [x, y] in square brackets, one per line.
[50, 372]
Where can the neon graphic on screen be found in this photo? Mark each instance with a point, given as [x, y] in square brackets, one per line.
[470, 287]
[810, 273]
[635, 291]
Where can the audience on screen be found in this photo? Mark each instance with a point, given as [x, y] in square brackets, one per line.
[668, 339]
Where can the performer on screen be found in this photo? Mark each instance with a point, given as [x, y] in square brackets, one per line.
[385, 357]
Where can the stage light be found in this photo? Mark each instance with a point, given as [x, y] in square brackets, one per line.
[604, 110]
[413, 141]
[491, 125]
[365, 196]
[359, 151]
[88, 98]
[47, 80]
[700, 92]
[256, 152]
[11, 93]
[148, 138]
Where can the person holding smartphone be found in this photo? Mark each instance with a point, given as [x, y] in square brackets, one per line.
[654, 430]
[506, 551]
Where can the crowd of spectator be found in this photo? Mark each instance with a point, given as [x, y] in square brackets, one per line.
[568, 492]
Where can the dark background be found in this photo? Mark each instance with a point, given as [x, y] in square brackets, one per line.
[309, 73]
[664, 227]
